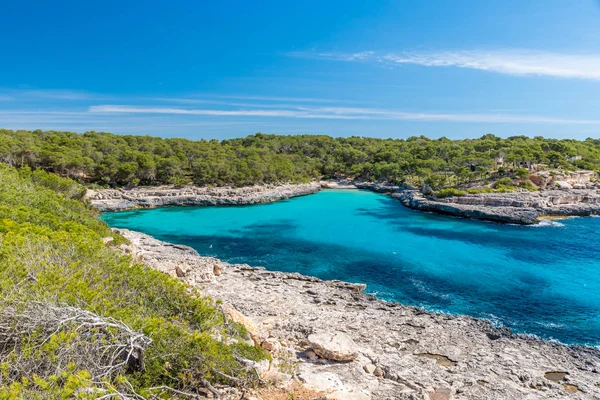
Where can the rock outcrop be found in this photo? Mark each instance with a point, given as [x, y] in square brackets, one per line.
[516, 208]
[400, 352]
[333, 346]
[122, 199]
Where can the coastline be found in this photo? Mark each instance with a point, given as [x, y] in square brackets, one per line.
[522, 208]
[398, 352]
[110, 200]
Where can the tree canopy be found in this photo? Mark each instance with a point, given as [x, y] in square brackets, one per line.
[122, 160]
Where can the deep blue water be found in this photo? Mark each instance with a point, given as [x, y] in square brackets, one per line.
[542, 280]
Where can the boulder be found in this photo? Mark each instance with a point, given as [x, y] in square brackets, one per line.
[271, 345]
[246, 322]
[333, 346]
[538, 180]
[426, 190]
[369, 368]
[441, 394]
[217, 269]
[562, 185]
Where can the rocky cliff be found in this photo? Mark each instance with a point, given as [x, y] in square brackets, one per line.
[123, 199]
[335, 341]
[517, 208]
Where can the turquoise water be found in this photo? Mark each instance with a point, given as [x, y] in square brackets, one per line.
[541, 280]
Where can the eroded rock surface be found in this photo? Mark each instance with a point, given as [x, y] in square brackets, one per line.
[467, 358]
[122, 199]
[333, 346]
[516, 208]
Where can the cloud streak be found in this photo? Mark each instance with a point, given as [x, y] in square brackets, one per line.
[348, 113]
[515, 62]
[49, 94]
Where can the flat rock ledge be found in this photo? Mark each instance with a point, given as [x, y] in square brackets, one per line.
[525, 208]
[397, 352]
[123, 199]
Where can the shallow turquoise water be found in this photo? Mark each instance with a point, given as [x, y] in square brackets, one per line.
[542, 280]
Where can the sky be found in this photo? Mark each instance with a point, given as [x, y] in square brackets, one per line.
[222, 69]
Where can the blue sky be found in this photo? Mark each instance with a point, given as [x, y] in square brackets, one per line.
[200, 69]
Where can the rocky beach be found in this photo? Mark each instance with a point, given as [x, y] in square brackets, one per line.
[334, 341]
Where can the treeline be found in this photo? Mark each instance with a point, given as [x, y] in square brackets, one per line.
[115, 160]
[79, 319]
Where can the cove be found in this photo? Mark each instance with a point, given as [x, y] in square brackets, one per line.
[542, 280]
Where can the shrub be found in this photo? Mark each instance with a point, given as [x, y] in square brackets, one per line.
[52, 254]
[504, 182]
[481, 190]
[449, 192]
[528, 186]
[504, 188]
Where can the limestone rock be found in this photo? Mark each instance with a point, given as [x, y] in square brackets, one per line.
[493, 363]
[334, 346]
[175, 260]
[369, 368]
[121, 199]
[515, 208]
[271, 345]
[311, 355]
[246, 322]
[332, 385]
[441, 394]
[217, 269]
[562, 185]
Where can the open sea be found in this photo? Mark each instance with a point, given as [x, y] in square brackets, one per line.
[542, 280]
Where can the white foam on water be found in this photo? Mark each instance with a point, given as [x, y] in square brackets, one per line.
[494, 320]
[422, 287]
[547, 223]
[550, 324]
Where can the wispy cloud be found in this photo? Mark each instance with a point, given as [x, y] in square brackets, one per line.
[221, 113]
[50, 94]
[517, 62]
[345, 113]
[288, 99]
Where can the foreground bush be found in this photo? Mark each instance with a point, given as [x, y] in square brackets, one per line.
[78, 319]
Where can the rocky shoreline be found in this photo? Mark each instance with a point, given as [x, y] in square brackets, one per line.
[335, 341]
[524, 208]
[106, 200]
[520, 207]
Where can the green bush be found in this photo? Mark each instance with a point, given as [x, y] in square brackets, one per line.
[449, 192]
[504, 188]
[504, 182]
[481, 190]
[51, 251]
[527, 184]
